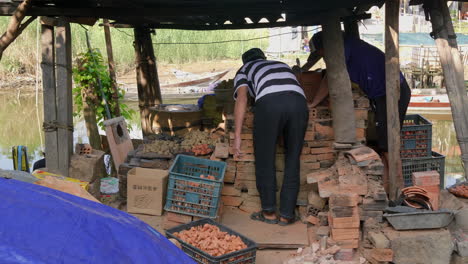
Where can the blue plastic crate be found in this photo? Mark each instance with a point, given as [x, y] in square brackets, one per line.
[189, 194]
[435, 162]
[416, 137]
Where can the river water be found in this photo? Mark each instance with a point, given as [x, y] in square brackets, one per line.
[21, 124]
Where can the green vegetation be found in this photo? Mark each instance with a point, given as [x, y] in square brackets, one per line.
[89, 69]
[20, 57]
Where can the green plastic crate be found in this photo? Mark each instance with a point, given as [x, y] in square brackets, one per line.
[435, 162]
[416, 137]
[189, 194]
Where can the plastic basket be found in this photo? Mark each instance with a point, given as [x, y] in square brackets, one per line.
[243, 256]
[435, 162]
[189, 194]
[416, 137]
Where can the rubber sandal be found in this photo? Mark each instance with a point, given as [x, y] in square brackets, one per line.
[288, 221]
[258, 216]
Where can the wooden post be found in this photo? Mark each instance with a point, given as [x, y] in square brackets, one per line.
[392, 74]
[64, 95]
[453, 72]
[149, 92]
[338, 81]
[110, 58]
[50, 106]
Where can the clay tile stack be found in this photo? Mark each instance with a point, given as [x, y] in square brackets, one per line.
[416, 197]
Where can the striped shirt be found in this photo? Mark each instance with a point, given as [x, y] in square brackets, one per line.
[264, 77]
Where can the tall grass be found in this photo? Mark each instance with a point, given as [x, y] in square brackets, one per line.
[20, 57]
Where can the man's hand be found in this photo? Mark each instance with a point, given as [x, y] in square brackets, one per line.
[296, 69]
[237, 147]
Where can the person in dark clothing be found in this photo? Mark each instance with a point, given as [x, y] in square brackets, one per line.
[280, 110]
[366, 67]
[39, 164]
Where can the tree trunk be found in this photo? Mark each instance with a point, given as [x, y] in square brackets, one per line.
[15, 28]
[344, 123]
[149, 92]
[392, 74]
[453, 73]
[110, 58]
[89, 113]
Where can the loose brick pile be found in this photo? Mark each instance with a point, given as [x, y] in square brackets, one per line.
[355, 193]
[317, 153]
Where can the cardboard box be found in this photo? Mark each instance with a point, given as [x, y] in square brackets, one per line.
[146, 191]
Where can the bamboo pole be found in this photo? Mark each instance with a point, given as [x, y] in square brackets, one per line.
[338, 81]
[453, 72]
[149, 92]
[392, 76]
[110, 60]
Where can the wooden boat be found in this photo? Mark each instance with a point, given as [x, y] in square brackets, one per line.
[191, 89]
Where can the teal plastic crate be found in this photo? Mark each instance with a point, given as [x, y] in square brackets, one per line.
[435, 162]
[189, 194]
[416, 137]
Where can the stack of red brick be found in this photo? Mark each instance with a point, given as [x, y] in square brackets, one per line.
[344, 220]
[317, 153]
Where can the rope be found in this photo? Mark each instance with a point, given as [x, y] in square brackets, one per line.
[54, 125]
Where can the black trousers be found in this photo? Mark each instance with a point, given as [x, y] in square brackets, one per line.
[380, 108]
[286, 114]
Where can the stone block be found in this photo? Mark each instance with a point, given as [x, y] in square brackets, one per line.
[89, 168]
[379, 240]
[457, 259]
[428, 247]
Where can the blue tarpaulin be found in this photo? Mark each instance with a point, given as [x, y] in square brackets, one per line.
[42, 225]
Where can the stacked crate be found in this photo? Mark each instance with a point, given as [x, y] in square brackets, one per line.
[317, 153]
[416, 149]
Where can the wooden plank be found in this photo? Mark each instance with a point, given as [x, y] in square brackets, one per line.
[110, 58]
[338, 81]
[50, 105]
[453, 74]
[392, 75]
[64, 96]
[266, 235]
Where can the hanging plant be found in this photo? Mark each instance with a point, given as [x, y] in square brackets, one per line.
[89, 66]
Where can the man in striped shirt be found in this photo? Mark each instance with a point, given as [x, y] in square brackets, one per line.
[280, 110]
